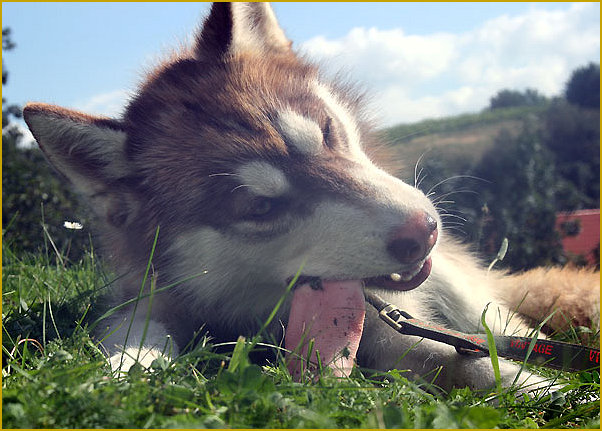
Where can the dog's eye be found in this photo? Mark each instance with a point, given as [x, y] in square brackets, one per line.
[330, 135]
[326, 132]
[262, 208]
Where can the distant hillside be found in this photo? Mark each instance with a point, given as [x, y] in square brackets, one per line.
[505, 173]
[460, 140]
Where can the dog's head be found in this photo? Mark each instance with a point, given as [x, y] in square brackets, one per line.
[251, 163]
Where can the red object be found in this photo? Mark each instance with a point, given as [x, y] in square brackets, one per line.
[587, 238]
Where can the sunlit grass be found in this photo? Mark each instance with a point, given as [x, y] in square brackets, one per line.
[55, 375]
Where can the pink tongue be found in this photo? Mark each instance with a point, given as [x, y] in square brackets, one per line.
[334, 318]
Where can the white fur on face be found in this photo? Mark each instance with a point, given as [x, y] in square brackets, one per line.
[386, 189]
[302, 133]
[263, 179]
[338, 240]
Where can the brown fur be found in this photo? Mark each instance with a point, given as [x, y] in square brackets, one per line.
[172, 161]
[573, 295]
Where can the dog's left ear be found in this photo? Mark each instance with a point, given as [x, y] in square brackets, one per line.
[233, 28]
[90, 153]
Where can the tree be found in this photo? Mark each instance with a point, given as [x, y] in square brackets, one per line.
[7, 45]
[520, 197]
[8, 111]
[583, 87]
[511, 98]
[34, 199]
[572, 133]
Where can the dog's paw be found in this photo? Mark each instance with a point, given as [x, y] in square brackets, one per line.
[123, 360]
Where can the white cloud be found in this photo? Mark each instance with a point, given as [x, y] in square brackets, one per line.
[109, 104]
[421, 76]
[25, 139]
[413, 77]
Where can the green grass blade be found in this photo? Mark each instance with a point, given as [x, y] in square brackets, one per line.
[492, 352]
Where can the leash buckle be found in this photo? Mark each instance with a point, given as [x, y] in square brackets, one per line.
[393, 316]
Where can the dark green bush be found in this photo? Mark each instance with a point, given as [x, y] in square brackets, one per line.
[36, 203]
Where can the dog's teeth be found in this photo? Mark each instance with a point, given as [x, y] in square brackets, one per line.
[407, 276]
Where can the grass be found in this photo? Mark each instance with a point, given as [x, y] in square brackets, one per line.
[461, 140]
[406, 132]
[55, 376]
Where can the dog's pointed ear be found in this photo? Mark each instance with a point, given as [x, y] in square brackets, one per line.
[88, 151]
[239, 27]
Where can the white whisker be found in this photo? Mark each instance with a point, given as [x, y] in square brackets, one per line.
[455, 177]
[455, 228]
[439, 198]
[438, 202]
[239, 186]
[417, 174]
[454, 216]
[223, 174]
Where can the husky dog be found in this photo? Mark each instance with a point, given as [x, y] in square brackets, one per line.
[255, 169]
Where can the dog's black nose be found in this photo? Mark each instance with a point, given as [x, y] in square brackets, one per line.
[414, 239]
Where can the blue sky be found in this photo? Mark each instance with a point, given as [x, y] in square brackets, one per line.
[419, 60]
